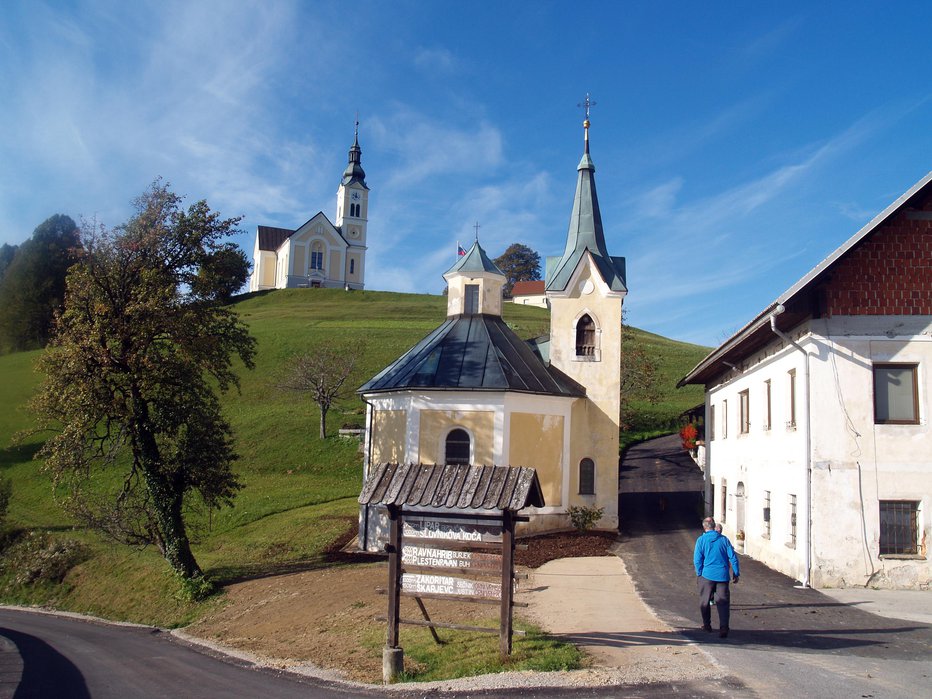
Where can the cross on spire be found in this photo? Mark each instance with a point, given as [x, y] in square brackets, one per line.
[587, 105]
[477, 231]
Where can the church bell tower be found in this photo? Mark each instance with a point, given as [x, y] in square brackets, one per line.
[353, 215]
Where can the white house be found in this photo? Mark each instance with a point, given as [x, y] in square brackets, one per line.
[319, 253]
[531, 293]
[818, 413]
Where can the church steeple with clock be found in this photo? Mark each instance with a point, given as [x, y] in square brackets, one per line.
[319, 253]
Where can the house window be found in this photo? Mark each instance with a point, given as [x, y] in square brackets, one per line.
[352, 266]
[711, 422]
[587, 477]
[744, 407]
[457, 447]
[767, 514]
[317, 256]
[724, 501]
[792, 542]
[724, 419]
[896, 394]
[767, 405]
[899, 527]
[585, 337]
[791, 392]
[471, 299]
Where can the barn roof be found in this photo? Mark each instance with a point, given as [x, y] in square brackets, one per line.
[454, 487]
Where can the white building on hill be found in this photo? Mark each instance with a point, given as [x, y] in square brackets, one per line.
[319, 253]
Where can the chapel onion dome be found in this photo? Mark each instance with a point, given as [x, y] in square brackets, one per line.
[354, 172]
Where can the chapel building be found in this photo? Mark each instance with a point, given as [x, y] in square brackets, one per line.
[473, 392]
[319, 253]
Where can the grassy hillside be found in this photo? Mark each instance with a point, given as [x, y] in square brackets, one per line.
[299, 490]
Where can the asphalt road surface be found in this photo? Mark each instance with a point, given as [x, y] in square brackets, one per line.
[74, 658]
[784, 640]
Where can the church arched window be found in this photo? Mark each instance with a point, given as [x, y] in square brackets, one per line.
[585, 337]
[587, 477]
[457, 447]
[317, 255]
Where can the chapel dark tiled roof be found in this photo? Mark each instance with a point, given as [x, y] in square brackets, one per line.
[473, 352]
[271, 238]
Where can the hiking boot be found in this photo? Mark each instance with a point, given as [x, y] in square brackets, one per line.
[707, 628]
[723, 632]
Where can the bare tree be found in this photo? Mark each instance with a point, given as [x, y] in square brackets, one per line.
[322, 373]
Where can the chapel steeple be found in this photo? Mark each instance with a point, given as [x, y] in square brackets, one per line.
[354, 172]
[585, 230]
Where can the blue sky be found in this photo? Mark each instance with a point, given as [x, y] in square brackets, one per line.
[736, 144]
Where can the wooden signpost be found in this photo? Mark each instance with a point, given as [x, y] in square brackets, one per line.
[463, 552]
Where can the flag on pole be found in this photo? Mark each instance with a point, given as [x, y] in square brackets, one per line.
[459, 249]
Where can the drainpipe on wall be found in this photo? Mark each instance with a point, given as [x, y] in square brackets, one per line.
[366, 466]
[808, 426]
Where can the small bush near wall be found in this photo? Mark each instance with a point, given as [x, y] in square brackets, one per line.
[584, 518]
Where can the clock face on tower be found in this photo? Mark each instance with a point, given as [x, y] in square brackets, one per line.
[355, 196]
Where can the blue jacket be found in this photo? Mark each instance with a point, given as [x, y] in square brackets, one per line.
[712, 555]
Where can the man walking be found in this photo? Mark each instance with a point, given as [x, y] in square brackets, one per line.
[711, 557]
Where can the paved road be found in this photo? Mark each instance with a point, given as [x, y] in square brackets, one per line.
[785, 641]
[68, 657]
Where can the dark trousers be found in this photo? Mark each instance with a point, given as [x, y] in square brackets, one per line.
[719, 591]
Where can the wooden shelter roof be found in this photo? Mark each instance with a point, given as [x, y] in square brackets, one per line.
[454, 487]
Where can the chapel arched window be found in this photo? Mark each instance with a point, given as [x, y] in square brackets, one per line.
[587, 477]
[317, 255]
[585, 337]
[457, 447]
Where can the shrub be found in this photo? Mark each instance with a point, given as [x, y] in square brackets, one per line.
[584, 517]
[37, 557]
[194, 589]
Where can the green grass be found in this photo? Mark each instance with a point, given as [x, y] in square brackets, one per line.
[299, 491]
[469, 653]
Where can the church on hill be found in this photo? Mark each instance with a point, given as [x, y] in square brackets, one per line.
[473, 392]
[319, 253]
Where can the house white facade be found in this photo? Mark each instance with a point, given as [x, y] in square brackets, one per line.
[319, 253]
[819, 445]
[530, 293]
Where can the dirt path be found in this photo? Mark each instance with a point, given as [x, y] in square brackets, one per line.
[326, 618]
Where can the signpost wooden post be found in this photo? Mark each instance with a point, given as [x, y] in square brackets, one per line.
[451, 536]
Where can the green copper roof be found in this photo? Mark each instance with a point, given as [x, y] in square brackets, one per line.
[585, 234]
[475, 260]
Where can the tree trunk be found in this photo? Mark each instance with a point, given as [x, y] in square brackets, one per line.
[323, 423]
[167, 496]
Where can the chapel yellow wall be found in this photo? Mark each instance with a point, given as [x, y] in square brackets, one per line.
[537, 441]
[490, 293]
[595, 421]
[299, 268]
[436, 423]
[389, 436]
[354, 276]
[267, 276]
[333, 270]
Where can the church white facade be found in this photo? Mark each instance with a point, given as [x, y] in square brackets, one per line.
[319, 253]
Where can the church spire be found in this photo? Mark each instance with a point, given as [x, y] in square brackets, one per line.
[354, 172]
[585, 229]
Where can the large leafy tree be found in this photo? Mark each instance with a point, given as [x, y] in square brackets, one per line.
[7, 253]
[224, 272]
[138, 434]
[520, 264]
[33, 284]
